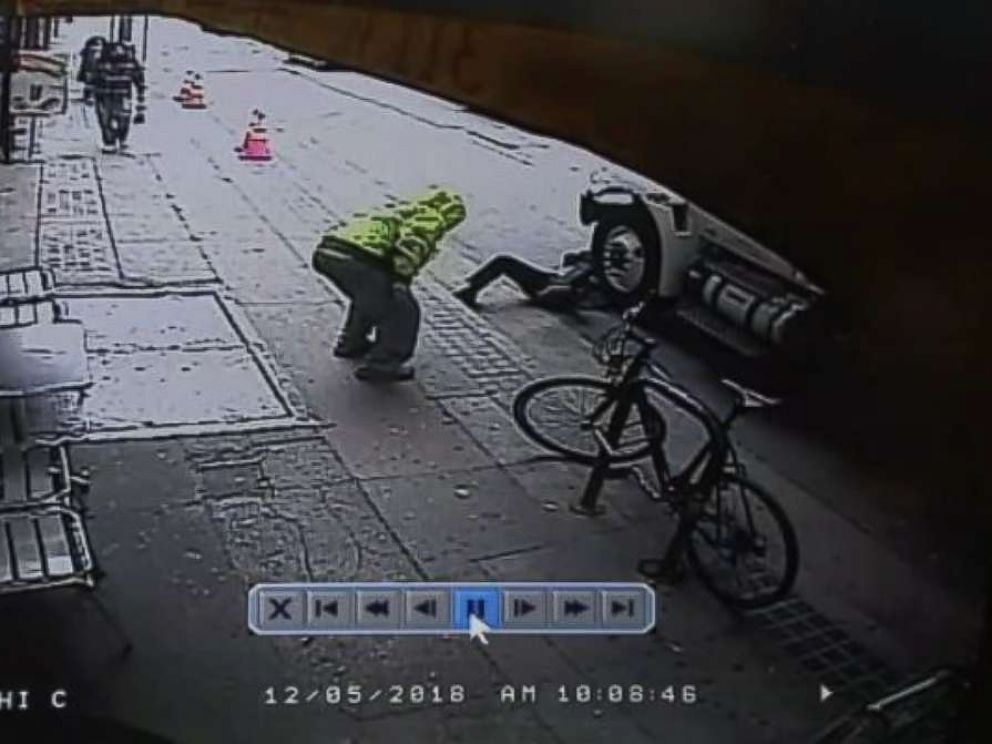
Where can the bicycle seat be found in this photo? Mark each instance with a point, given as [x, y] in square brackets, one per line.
[750, 398]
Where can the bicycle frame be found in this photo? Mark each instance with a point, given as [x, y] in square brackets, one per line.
[699, 477]
[706, 466]
[711, 495]
[630, 392]
[703, 470]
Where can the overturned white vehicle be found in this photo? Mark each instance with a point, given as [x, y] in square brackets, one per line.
[653, 241]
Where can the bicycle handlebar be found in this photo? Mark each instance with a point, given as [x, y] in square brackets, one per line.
[630, 316]
[610, 349]
[612, 342]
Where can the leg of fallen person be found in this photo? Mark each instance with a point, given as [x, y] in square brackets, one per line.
[531, 279]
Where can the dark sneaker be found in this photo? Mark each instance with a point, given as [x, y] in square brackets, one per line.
[573, 258]
[350, 350]
[467, 295]
[374, 373]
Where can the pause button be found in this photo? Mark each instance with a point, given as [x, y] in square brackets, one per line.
[482, 603]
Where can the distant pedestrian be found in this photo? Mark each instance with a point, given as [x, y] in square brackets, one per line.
[116, 76]
[373, 258]
[88, 58]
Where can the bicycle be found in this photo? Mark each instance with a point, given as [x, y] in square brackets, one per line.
[717, 505]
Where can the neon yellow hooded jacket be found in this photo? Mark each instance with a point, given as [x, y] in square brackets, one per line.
[401, 237]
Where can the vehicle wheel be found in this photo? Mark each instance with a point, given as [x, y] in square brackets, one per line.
[743, 547]
[561, 414]
[626, 255]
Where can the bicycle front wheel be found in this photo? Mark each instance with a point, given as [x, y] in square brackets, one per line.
[562, 414]
[743, 546]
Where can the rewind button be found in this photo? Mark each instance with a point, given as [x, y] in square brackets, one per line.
[378, 609]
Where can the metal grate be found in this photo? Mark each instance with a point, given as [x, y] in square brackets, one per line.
[74, 242]
[823, 648]
[77, 252]
[42, 548]
[70, 191]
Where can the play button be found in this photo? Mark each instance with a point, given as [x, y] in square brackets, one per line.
[524, 608]
[825, 692]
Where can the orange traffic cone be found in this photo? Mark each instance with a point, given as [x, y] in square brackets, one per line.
[183, 95]
[195, 98]
[255, 145]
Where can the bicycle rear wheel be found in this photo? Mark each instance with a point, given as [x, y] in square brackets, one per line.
[562, 414]
[743, 546]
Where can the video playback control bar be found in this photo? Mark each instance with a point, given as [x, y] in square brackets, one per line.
[417, 608]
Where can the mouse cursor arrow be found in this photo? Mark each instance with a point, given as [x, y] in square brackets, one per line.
[478, 628]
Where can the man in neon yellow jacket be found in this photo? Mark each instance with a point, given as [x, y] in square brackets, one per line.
[372, 258]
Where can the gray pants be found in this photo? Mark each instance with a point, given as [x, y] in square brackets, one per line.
[379, 303]
[113, 111]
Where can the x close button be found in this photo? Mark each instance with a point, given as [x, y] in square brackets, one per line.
[281, 610]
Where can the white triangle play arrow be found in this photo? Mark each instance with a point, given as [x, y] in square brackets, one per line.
[825, 692]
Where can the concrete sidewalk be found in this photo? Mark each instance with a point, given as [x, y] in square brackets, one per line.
[228, 447]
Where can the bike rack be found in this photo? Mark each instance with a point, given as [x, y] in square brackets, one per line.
[588, 505]
[669, 566]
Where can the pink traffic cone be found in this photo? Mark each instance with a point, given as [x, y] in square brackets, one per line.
[256, 142]
[248, 133]
[183, 95]
[195, 100]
